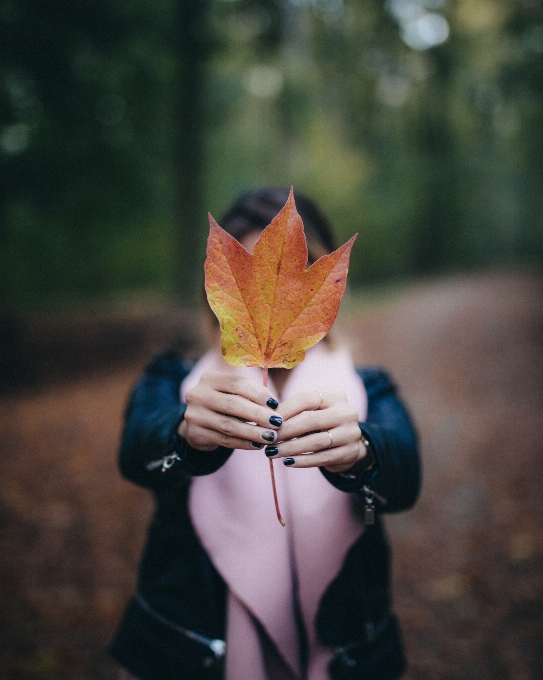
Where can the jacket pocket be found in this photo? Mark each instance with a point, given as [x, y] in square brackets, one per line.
[154, 648]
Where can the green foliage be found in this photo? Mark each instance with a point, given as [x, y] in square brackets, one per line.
[425, 152]
[124, 121]
[85, 116]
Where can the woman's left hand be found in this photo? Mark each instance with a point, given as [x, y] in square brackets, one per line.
[319, 429]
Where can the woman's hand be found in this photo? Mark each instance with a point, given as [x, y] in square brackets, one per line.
[319, 429]
[230, 411]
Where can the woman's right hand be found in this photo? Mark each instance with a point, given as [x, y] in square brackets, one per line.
[230, 411]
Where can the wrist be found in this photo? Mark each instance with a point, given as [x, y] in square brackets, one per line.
[361, 466]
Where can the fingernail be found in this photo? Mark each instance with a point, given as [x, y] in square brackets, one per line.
[268, 436]
[272, 403]
[275, 420]
[257, 445]
[289, 461]
[271, 451]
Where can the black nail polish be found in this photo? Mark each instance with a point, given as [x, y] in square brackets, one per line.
[271, 451]
[289, 461]
[275, 420]
[257, 445]
[268, 436]
[272, 403]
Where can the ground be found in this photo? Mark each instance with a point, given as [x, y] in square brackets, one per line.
[467, 355]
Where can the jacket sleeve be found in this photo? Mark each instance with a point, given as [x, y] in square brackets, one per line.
[151, 452]
[394, 473]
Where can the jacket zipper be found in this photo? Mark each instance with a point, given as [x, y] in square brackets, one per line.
[372, 633]
[215, 645]
[166, 462]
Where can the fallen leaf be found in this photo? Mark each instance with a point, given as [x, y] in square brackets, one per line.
[270, 308]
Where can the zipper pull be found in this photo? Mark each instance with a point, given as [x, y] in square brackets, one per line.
[218, 647]
[369, 509]
[168, 461]
[374, 495]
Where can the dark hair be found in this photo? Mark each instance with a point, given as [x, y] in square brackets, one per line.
[255, 209]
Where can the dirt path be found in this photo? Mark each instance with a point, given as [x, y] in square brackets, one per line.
[468, 356]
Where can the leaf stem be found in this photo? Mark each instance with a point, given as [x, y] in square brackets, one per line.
[278, 512]
[272, 473]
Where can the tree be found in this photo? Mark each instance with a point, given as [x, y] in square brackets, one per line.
[83, 152]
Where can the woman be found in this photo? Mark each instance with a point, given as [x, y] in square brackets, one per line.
[225, 591]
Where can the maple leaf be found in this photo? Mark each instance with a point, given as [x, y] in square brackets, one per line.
[269, 306]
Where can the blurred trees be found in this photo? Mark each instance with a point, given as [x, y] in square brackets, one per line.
[415, 122]
[86, 108]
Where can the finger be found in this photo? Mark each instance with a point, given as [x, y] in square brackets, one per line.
[317, 441]
[235, 405]
[346, 435]
[243, 409]
[208, 440]
[340, 458]
[303, 401]
[238, 385]
[227, 428]
[311, 421]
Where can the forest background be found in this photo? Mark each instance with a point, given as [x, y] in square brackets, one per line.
[414, 122]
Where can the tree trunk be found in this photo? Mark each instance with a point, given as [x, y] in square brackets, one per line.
[192, 50]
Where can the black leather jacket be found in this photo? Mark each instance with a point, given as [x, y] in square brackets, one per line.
[174, 626]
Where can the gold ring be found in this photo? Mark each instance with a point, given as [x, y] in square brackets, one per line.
[320, 395]
[331, 439]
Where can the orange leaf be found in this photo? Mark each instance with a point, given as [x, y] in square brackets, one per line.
[270, 307]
